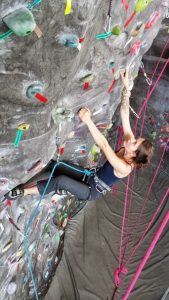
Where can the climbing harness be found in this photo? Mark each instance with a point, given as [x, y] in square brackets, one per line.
[101, 186]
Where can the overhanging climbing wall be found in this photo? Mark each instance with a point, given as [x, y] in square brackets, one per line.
[55, 59]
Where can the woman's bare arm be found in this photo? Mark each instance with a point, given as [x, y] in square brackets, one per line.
[124, 108]
[119, 164]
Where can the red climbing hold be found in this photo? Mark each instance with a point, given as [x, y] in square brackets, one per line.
[41, 98]
[61, 150]
[86, 86]
[111, 87]
[81, 40]
[83, 151]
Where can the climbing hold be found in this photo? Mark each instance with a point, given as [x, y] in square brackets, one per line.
[117, 73]
[33, 92]
[21, 21]
[153, 19]
[22, 127]
[60, 114]
[139, 7]
[142, 5]
[7, 246]
[125, 4]
[11, 288]
[94, 153]
[116, 30]
[135, 48]
[71, 41]
[111, 64]
[86, 80]
[68, 7]
[81, 40]
[138, 30]
[110, 89]
[103, 35]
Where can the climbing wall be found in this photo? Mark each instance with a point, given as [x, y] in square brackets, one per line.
[56, 58]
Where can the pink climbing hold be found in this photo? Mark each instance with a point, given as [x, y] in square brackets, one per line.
[135, 48]
[117, 273]
[125, 4]
[153, 19]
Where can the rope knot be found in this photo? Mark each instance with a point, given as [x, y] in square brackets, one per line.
[117, 273]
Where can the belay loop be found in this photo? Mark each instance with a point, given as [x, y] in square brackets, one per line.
[117, 273]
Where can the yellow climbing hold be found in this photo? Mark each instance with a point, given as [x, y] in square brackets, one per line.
[68, 7]
[24, 126]
[141, 5]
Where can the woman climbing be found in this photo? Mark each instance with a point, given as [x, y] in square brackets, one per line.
[134, 153]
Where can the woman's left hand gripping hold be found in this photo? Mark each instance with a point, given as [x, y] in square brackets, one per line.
[84, 115]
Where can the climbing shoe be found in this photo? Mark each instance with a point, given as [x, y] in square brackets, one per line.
[15, 193]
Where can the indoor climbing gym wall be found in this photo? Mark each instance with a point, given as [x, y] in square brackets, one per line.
[55, 57]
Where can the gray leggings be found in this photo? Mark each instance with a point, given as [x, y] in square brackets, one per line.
[73, 183]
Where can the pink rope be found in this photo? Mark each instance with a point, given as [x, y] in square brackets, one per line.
[153, 88]
[121, 269]
[150, 93]
[147, 255]
[148, 193]
[158, 62]
[148, 226]
[123, 222]
[144, 105]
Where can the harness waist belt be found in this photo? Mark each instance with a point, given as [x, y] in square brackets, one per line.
[101, 186]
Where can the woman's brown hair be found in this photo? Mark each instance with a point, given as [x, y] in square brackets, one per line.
[144, 154]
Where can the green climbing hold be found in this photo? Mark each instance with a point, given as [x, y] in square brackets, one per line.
[111, 64]
[141, 5]
[95, 152]
[21, 21]
[57, 237]
[116, 30]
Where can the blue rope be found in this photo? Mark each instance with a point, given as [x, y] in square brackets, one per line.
[35, 212]
[30, 6]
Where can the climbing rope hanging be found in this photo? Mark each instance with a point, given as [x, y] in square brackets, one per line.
[122, 260]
